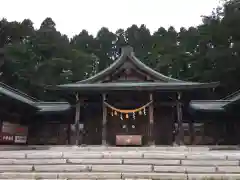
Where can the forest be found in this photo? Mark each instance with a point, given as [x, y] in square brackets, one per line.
[33, 58]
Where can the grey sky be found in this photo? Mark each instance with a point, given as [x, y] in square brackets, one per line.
[72, 16]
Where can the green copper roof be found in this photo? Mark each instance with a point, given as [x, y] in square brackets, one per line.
[216, 105]
[234, 98]
[52, 106]
[135, 86]
[160, 81]
[35, 103]
[208, 105]
[16, 94]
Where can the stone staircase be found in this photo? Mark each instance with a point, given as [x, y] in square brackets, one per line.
[143, 163]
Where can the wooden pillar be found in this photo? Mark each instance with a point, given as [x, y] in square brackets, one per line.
[151, 122]
[77, 118]
[104, 121]
[69, 134]
[191, 131]
[180, 134]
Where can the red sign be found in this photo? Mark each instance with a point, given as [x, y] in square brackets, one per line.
[14, 129]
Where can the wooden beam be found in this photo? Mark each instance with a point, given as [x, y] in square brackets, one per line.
[77, 118]
[151, 122]
[136, 104]
[167, 104]
[104, 121]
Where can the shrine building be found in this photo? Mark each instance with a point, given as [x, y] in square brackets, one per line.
[129, 103]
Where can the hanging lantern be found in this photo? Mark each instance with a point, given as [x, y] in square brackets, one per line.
[140, 113]
[144, 111]
[115, 113]
[112, 114]
[127, 116]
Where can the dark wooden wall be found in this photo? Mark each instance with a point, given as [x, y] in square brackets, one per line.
[91, 117]
[163, 125]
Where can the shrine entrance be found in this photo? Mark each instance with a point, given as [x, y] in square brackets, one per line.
[128, 126]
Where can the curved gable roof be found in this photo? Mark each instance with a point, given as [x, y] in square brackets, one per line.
[161, 82]
[128, 54]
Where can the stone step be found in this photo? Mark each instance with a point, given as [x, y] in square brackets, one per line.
[115, 176]
[154, 162]
[119, 164]
[119, 168]
[111, 148]
[99, 147]
[120, 155]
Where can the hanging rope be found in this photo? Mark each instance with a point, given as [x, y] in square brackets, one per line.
[127, 111]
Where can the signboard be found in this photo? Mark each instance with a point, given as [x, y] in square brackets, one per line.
[20, 139]
[126, 140]
[6, 138]
[14, 133]
[14, 129]
[8, 128]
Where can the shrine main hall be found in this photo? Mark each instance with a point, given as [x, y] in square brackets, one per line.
[127, 104]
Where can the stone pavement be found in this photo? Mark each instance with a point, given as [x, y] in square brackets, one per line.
[143, 163]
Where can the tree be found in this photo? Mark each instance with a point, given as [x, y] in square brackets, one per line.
[38, 57]
[140, 39]
[105, 47]
[44, 57]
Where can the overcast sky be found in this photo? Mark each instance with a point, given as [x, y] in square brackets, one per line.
[71, 16]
